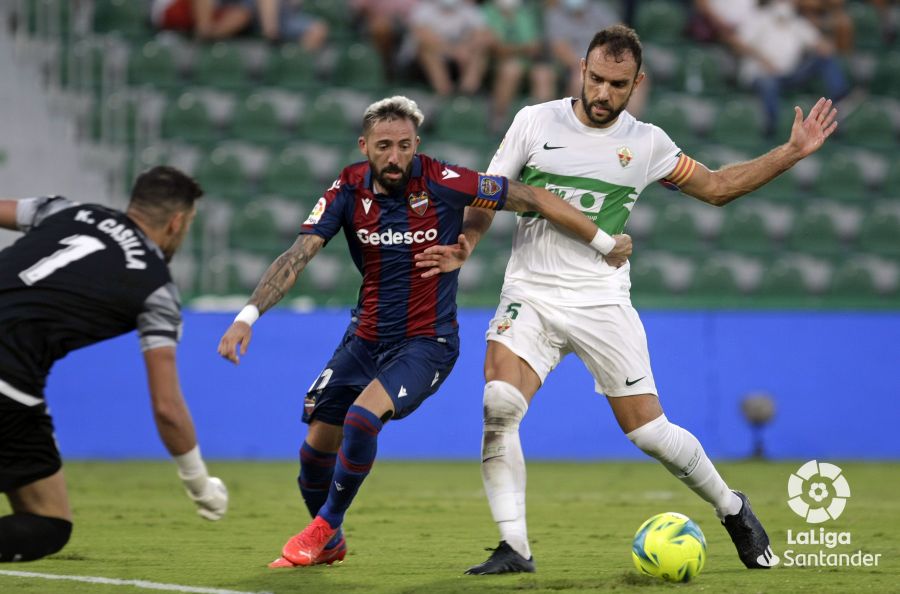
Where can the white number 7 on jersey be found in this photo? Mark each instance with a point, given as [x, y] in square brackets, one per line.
[79, 246]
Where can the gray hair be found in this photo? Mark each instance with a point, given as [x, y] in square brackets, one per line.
[391, 108]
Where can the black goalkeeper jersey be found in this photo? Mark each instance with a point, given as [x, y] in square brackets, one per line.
[80, 274]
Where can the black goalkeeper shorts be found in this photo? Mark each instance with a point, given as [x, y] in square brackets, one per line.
[28, 449]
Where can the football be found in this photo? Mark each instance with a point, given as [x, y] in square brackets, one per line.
[669, 546]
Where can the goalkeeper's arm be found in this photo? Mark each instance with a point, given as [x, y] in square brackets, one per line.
[176, 429]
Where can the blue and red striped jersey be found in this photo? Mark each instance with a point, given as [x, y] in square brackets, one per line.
[384, 232]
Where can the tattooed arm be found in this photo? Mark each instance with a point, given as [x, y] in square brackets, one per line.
[274, 285]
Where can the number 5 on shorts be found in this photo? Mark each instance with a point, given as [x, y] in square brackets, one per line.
[512, 310]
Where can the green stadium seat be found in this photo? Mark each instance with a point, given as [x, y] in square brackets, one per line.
[324, 120]
[815, 233]
[647, 279]
[661, 21]
[187, 118]
[714, 279]
[886, 80]
[126, 17]
[744, 230]
[869, 126]
[853, 280]
[866, 24]
[255, 230]
[738, 124]
[890, 184]
[359, 66]
[841, 178]
[700, 72]
[221, 174]
[463, 120]
[880, 234]
[221, 66]
[782, 187]
[671, 117]
[291, 68]
[289, 175]
[256, 120]
[782, 279]
[676, 230]
[153, 65]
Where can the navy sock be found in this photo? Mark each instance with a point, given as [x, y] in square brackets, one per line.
[354, 461]
[316, 472]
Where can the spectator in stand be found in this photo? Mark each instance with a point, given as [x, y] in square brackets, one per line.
[517, 49]
[207, 19]
[450, 35]
[781, 50]
[276, 20]
[718, 20]
[386, 22]
[830, 17]
[569, 27]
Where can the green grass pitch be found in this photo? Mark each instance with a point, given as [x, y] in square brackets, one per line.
[415, 527]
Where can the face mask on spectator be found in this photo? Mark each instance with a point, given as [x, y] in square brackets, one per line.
[574, 5]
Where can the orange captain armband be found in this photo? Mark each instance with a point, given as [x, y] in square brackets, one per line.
[683, 171]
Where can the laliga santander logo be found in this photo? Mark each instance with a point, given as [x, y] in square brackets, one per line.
[818, 492]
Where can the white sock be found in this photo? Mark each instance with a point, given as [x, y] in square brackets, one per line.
[503, 463]
[681, 453]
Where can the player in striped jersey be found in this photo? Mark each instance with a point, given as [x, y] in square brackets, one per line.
[402, 339]
[556, 299]
[82, 273]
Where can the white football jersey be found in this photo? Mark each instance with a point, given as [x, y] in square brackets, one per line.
[600, 171]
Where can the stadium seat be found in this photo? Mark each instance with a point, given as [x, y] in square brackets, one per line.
[744, 230]
[714, 279]
[890, 184]
[815, 233]
[886, 80]
[669, 115]
[841, 178]
[867, 25]
[701, 72]
[738, 124]
[291, 68]
[290, 175]
[153, 65]
[647, 278]
[782, 279]
[256, 120]
[359, 67]
[676, 231]
[253, 229]
[880, 234]
[853, 280]
[126, 17]
[464, 120]
[222, 175]
[661, 21]
[221, 66]
[869, 126]
[324, 120]
[187, 118]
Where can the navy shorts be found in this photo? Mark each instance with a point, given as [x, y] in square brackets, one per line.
[28, 449]
[410, 370]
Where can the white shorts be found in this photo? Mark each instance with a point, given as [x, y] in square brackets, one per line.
[609, 340]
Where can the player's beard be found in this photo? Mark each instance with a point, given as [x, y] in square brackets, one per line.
[612, 113]
[392, 185]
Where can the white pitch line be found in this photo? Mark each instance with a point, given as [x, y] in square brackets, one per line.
[116, 582]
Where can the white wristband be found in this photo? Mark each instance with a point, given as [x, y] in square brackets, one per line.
[603, 242]
[248, 315]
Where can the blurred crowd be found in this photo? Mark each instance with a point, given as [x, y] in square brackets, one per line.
[533, 48]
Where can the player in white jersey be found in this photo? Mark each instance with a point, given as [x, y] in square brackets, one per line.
[559, 297]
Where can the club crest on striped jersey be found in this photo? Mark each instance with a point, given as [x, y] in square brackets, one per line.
[489, 186]
[418, 202]
[625, 155]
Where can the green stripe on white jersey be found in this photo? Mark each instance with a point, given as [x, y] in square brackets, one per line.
[607, 205]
